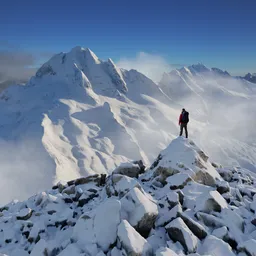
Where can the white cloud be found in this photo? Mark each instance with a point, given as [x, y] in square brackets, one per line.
[153, 66]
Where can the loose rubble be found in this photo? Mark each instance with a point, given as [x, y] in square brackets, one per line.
[181, 205]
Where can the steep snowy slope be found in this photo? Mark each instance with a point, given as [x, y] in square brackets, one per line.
[181, 205]
[224, 105]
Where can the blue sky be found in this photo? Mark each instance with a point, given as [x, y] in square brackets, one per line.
[216, 33]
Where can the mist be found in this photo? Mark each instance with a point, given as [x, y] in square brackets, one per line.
[221, 116]
[24, 170]
[152, 66]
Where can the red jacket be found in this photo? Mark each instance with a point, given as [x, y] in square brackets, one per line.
[180, 118]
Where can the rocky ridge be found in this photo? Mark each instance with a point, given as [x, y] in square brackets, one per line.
[181, 205]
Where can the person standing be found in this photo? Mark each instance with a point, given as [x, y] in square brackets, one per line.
[183, 122]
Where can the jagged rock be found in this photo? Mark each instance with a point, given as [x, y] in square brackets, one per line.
[69, 190]
[214, 246]
[210, 220]
[139, 210]
[172, 198]
[164, 251]
[203, 155]
[178, 181]
[249, 247]
[164, 173]
[128, 169]
[204, 178]
[215, 165]
[223, 187]
[211, 201]
[197, 229]
[226, 174]
[141, 165]
[220, 232]
[181, 196]
[119, 185]
[179, 231]
[106, 230]
[24, 214]
[133, 243]
[164, 218]
[84, 180]
[85, 198]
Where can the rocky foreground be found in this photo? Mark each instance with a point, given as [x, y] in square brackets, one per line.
[181, 205]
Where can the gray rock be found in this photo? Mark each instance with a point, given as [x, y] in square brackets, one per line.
[128, 169]
[194, 226]
[249, 247]
[24, 214]
[137, 246]
[210, 220]
[179, 232]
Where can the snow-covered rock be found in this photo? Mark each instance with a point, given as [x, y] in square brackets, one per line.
[179, 231]
[165, 252]
[183, 156]
[106, 221]
[212, 201]
[249, 247]
[24, 214]
[197, 229]
[139, 210]
[128, 169]
[117, 215]
[215, 247]
[133, 243]
[118, 184]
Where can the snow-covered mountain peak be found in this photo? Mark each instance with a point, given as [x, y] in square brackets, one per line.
[220, 72]
[199, 67]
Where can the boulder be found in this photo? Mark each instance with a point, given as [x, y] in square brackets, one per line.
[249, 247]
[128, 169]
[220, 233]
[172, 198]
[212, 201]
[222, 187]
[210, 220]
[106, 221]
[215, 247]
[131, 241]
[178, 181]
[119, 185]
[24, 214]
[166, 217]
[179, 232]
[197, 229]
[139, 210]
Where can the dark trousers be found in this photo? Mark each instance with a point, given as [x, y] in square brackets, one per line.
[183, 126]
